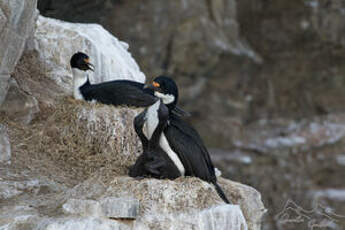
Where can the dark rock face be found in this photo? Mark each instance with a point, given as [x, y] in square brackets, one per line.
[292, 163]
[292, 67]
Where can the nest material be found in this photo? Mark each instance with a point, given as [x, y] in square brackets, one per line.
[77, 139]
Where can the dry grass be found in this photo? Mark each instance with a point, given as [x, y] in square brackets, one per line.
[75, 141]
[69, 140]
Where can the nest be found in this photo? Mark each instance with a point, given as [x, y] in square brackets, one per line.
[76, 139]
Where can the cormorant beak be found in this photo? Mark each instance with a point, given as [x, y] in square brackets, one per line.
[177, 110]
[91, 67]
[154, 86]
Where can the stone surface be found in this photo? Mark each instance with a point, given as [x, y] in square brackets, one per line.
[82, 207]
[184, 212]
[114, 207]
[69, 163]
[188, 195]
[18, 217]
[17, 24]
[110, 207]
[300, 42]
[4, 80]
[302, 75]
[19, 105]
[218, 217]
[22, 184]
[56, 41]
[74, 167]
[5, 146]
[86, 223]
[186, 33]
[287, 160]
[17, 19]
[277, 136]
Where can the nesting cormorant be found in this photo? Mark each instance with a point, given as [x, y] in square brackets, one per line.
[182, 139]
[117, 92]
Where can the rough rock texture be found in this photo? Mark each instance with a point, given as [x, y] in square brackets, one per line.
[185, 33]
[109, 207]
[74, 151]
[69, 166]
[56, 41]
[4, 80]
[19, 105]
[301, 44]
[120, 208]
[69, 161]
[17, 19]
[298, 164]
[197, 42]
[46, 59]
[5, 146]
[176, 204]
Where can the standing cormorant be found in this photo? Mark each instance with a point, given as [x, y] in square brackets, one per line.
[182, 140]
[153, 162]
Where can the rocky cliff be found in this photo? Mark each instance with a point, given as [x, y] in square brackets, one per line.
[263, 79]
[64, 163]
[236, 61]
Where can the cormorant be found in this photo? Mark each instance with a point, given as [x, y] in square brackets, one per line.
[153, 162]
[117, 92]
[182, 139]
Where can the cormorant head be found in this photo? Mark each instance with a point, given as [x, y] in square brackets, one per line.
[165, 88]
[81, 61]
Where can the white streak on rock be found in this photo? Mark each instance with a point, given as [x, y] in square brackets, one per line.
[56, 41]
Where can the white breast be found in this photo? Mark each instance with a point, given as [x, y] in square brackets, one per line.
[150, 125]
[152, 119]
[163, 142]
[79, 79]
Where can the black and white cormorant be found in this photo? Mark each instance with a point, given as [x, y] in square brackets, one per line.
[153, 162]
[179, 140]
[117, 92]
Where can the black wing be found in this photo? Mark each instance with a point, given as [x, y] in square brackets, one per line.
[120, 92]
[186, 142]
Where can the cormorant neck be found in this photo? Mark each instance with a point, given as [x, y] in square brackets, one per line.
[152, 119]
[80, 78]
[168, 99]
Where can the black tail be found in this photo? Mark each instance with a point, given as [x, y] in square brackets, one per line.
[180, 112]
[220, 192]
